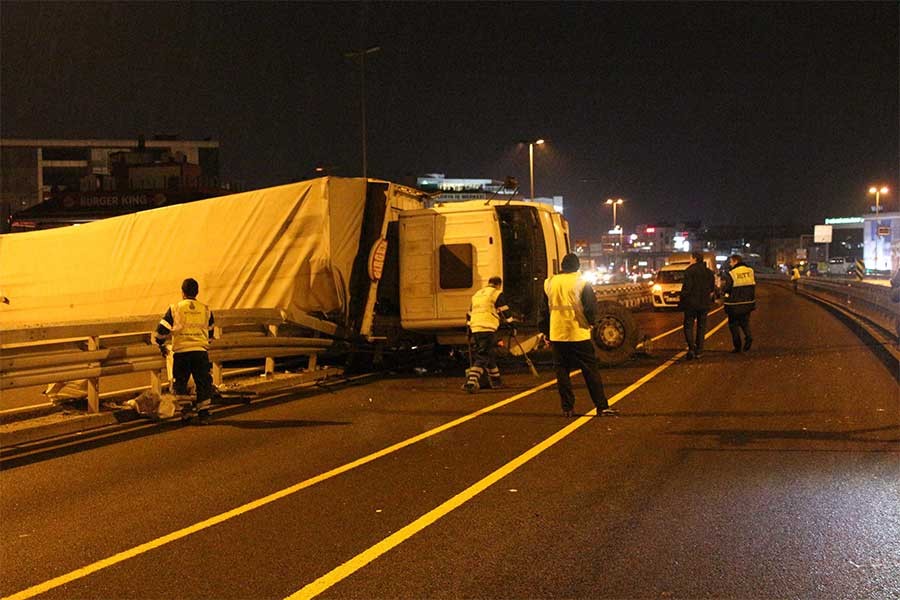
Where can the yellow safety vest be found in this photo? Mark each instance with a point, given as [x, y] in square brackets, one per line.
[742, 275]
[567, 320]
[741, 298]
[191, 328]
[483, 315]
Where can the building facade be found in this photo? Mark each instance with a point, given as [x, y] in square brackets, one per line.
[33, 171]
[459, 190]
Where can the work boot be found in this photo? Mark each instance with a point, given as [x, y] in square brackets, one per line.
[496, 383]
[203, 417]
[471, 386]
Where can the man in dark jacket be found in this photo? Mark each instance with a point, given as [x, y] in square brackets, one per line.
[740, 300]
[697, 293]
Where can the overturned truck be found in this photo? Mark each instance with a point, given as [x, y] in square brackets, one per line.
[361, 261]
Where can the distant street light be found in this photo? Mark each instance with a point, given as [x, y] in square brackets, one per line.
[615, 203]
[531, 146]
[878, 191]
[361, 55]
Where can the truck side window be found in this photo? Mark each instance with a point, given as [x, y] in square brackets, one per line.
[456, 266]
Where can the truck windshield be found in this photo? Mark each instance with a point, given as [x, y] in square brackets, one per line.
[524, 261]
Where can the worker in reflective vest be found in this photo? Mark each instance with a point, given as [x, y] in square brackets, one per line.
[795, 277]
[740, 300]
[570, 309]
[487, 312]
[190, 324]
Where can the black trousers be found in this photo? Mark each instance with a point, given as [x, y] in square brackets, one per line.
[694, 340]
[568, 356]
[484, 356]
[736, 324]
[192, 364]
[484, 350]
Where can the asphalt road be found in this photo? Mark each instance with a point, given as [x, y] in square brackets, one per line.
[770, 474]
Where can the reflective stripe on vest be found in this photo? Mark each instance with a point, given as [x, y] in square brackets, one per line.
[483, 315]
[191, 329]
[567, 320]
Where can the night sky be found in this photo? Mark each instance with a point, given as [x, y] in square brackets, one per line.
[726, 113]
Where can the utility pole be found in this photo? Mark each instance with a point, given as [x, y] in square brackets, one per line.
[361, 55]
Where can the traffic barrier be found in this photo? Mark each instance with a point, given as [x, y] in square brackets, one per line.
[32, 356]
[864, 300]
[632, 295]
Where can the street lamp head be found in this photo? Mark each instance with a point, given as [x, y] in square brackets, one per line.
[616, 201]
[541, 141]
[883, 190]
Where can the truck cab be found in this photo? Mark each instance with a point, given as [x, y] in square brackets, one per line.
[449, 251]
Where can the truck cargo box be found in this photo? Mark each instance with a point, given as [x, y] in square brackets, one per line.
[307, 248]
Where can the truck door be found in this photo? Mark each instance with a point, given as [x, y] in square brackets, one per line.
[524, 261]
[556, 236]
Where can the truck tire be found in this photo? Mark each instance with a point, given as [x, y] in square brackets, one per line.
[615, 334]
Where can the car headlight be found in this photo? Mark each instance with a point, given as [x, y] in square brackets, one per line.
[657, 288]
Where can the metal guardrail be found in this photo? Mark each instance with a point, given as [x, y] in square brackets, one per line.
[32, 356]
[872, 302]
[629, 294]
[869, 301]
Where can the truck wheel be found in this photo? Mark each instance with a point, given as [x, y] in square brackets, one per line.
[615, 334]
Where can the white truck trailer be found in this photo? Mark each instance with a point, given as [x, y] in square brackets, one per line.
[360, 260]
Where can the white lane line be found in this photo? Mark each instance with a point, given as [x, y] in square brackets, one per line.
[343, 571]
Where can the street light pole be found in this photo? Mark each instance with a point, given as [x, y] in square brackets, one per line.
[877, 191]
[531, 146]
[615, 203]
[361, 55]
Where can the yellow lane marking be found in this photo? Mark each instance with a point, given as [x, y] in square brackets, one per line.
[343, 571]
[235, 512]
[215, 520]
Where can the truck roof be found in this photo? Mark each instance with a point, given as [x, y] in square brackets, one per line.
[477, 205]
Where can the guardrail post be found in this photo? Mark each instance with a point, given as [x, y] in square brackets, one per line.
[217, 366]
[93, 383]
[270, 362]
[311, 366]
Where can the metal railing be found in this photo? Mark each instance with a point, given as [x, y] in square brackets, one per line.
[872, 302]
[869, 301]
[31, 356]
[629, 294]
